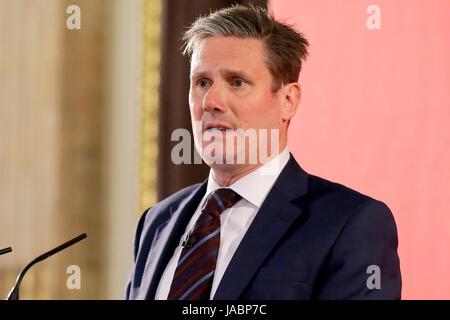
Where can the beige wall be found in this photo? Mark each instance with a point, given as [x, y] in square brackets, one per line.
[69, 144]
[122, 139]
[30, 62]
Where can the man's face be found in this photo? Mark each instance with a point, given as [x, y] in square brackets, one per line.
[231, 88]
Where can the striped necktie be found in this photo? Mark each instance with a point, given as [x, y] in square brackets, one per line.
[195, 269]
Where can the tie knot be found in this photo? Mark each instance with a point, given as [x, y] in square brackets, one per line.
[220, 200]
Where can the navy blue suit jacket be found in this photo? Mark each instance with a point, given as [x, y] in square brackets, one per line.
[311, 239]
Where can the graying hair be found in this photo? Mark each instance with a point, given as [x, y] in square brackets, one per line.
[285, 48]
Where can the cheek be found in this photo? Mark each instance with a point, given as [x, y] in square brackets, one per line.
[196, 113]
[272, 110]
[262, 114]
[195, 108]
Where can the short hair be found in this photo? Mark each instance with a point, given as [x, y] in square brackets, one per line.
[285, 48]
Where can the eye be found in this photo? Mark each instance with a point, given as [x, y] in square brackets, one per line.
[202, 83]
[238, 83]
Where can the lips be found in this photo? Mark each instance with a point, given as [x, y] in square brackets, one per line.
[221, 126]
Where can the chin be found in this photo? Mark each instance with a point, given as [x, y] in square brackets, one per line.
[211, 158]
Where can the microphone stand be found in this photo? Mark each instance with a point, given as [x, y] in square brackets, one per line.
[14, 293]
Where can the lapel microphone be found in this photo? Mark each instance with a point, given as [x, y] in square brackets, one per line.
[14, 293]
[189, 241]
[6, 250]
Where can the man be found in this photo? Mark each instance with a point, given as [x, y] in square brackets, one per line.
[261, 229]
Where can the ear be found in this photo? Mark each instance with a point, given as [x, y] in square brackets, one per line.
[291, 98]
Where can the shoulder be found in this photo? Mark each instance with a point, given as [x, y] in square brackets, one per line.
[161, 210]
[321, 188]
[322, 192]
[336, 205]
[176, 198]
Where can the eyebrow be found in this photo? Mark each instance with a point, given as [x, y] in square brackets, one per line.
[227, 73]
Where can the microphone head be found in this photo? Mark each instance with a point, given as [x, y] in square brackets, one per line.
[190, 240]
[6, 250]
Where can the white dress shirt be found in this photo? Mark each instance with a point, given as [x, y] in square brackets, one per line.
[235, 221]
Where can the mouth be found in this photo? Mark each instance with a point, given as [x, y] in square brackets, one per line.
[218, 129]
[212, 127]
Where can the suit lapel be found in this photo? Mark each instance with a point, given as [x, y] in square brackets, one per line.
[273, 219]
[165, 241]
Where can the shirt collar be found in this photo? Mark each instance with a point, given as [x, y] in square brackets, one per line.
[255, 186]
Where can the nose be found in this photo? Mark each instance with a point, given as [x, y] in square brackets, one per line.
[214, 100]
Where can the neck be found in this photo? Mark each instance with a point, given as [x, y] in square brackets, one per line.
[226, 175]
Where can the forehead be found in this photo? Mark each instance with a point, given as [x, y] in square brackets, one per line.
[215, 53]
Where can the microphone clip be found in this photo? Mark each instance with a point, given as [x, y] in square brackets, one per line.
[189, 241]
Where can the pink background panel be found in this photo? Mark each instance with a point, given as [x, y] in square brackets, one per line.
[375, 116]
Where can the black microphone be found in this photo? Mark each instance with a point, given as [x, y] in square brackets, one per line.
[14, 293]
[190, 240]
[6, 250]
